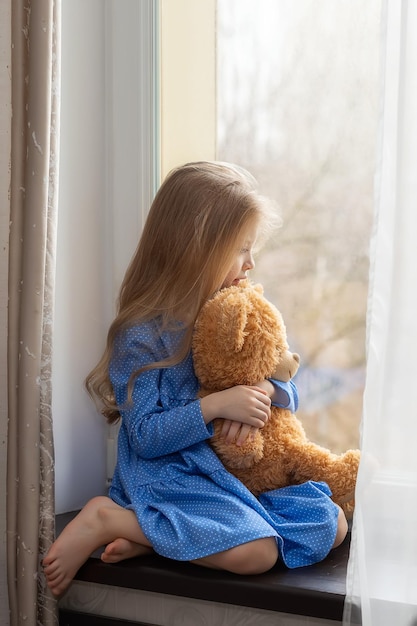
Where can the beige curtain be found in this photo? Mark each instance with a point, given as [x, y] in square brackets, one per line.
[34, 189]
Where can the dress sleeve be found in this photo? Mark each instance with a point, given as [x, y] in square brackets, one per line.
[286, 395]
[164, 415]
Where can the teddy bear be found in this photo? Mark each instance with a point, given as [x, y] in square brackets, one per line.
[240, 339]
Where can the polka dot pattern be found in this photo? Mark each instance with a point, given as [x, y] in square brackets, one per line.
[186, 503]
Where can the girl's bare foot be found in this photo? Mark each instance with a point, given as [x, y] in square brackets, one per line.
[121, 549]
[100, 522]
[74, 545]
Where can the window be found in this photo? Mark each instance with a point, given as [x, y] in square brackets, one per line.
[297, 98]
[318, 144]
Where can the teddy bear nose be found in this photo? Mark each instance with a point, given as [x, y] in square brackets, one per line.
[296, 357]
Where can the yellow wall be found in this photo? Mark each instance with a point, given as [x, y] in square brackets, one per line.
[187, 81]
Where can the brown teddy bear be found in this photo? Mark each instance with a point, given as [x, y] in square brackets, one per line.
[240, 339]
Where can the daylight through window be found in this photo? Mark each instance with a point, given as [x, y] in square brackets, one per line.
[297, 105]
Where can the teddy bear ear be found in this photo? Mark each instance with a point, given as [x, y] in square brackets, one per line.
[233, 320]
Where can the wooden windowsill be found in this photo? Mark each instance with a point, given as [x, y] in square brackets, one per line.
[315, 591]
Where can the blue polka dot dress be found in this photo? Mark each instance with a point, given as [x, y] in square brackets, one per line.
[187, 504]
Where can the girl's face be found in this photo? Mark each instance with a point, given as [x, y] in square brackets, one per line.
[243, 261]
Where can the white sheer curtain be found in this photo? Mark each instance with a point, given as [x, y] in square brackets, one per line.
[382, 572]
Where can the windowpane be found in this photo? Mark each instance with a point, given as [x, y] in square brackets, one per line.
[297, 97]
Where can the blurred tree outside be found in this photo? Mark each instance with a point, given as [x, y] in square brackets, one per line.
[297, 93]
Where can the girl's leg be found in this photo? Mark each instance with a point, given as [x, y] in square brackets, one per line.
[102, 522]
[121, 549]
[255, 557]
[98, 523]
[342, 528]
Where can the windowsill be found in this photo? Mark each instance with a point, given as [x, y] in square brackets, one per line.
[315, 591]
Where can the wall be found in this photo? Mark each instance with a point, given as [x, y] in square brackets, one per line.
[117, 123]
[80, 310]
[107, 177]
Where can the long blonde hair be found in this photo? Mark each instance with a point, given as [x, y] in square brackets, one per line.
[194, 226]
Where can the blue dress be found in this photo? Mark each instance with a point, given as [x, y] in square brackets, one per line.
[187, 504]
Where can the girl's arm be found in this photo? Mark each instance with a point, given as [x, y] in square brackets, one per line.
[282, 394]
[158, 424]
[243, 404]
[164, 416]
[156, 428]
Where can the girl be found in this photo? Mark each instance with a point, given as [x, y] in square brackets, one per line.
[170, 492]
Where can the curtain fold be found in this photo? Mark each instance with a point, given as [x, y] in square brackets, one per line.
[34, 191]
[382, 570]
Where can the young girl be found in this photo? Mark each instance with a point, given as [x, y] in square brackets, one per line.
[170, 492]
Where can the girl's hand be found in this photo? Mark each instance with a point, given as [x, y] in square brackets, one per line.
[237, 432]
[267, 386]
[248, 405]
